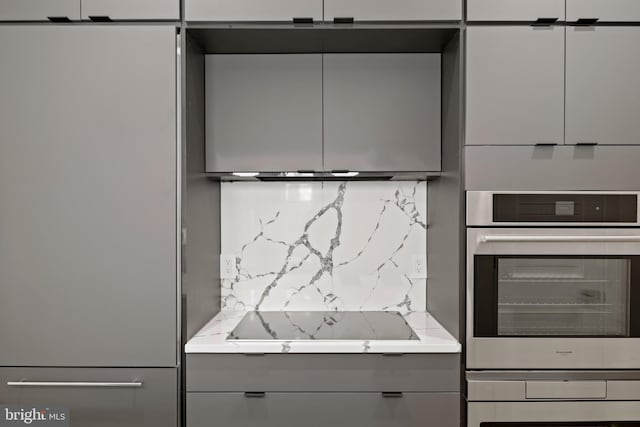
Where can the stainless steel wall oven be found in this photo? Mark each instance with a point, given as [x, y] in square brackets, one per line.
[553, 280]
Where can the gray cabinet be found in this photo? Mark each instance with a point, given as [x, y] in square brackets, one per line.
[88, 190]
[323, 409]
[515, 10]
[97, 397]
[393, 10]
[515, 85]
[263, 112]
[252, 10]
[382, 112]
[132, 10]
[39, 10]
[602, 84]
[604, 10]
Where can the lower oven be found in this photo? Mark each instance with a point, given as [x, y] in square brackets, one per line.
[554, 295]
[544, 402]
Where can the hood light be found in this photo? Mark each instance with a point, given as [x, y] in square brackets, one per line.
[246, 174]
[345, 174]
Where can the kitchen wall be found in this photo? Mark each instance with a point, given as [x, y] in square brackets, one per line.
[324, 245]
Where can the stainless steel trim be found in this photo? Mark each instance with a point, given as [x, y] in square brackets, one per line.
[179, 181]
[494, 238]
[480, 209]
[493, 376]
[134, 384]
[566, 390]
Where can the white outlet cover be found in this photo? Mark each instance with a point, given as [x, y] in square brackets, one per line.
[228, 268]
[418, 266]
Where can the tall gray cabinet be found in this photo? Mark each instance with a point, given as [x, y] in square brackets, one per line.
[88, 246]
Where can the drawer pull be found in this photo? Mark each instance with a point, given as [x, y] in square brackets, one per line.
[303, 21]
[392, 394]
[343, 20]
[254, 394]
[135, 384]
[58, 19]
[587, 143]
[586, 21]
[100, 19]
[546, 144]
[545, 21]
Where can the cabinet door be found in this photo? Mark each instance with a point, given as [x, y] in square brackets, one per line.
[604, 10]
[39, 10]
[263, 112]
[139, 10]
[252, 10]
[323, 409]
[393, 10]
[97, 397]
[515, 85]
[382, 112]
[603, 88]
[514, 10]
[88, 191]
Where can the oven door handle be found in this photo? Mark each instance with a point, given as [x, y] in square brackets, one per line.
[493, 238]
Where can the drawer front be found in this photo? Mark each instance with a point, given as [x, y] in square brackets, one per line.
[97, 397]
[604, 10]
[514, 10]
[252, 10]
[393, 10]
[39, 10]
[323, 409]
[132, 10]
[323, 372]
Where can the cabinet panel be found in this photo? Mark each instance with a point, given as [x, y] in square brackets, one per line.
[153, 403]
[139, 10]
[382, 112]
[252, 10]
[515, 85]
[39, 10]
[604, 10]
[88, 190]
[393, 10]
[602, 84]
[323, 409]
[263, 112]
[514, 10]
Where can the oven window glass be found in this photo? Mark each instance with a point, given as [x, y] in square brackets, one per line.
[551, 296]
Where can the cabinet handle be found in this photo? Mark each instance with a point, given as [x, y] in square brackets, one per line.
[303, 20]
[254, 394]
[587, 143]
[586, 21]
[392, 394]
[100, 19]
[545, 21]
[59, 19]
[343, 20]
[134, 384]
[546, 144]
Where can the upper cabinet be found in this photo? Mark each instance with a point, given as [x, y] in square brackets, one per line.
[516, 10]
[603, 10]
[252, 10]
[382, 112]
[263, 112]
[131, 10]
[602, 84]
[515, 85]
[39, 10]
[393, 10]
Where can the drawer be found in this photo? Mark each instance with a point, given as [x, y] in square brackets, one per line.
[503, 168]
[604, 10]
[132, 10]
[323, 372]
[323, 409]
[514, 10]
[39, 10]
[252, 10]
[97, 397]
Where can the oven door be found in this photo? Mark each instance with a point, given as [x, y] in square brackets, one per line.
[553, 414]
[553, 298]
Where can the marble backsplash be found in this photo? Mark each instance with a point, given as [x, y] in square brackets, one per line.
[324, 245]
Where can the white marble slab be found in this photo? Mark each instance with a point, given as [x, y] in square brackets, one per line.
[324, 245]
[433, 338]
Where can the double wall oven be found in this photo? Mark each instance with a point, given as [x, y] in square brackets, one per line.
[553, 280]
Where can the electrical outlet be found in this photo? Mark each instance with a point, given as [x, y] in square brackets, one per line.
[419, 266]
[228, 268]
